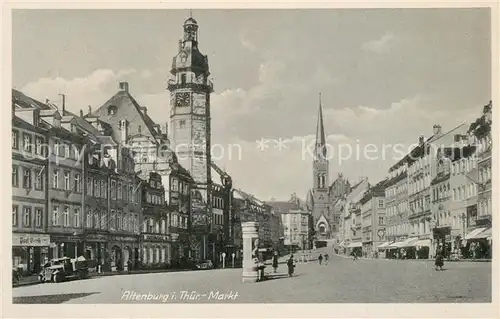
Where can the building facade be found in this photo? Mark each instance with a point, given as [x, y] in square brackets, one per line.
[373, 214]
[155, 240]
[30, 240]
[296, 228]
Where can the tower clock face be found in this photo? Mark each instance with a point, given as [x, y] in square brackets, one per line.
[183, 99]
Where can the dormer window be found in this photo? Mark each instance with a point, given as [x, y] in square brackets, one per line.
[112, 109]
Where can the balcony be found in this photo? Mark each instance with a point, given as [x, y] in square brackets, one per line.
[206, 86]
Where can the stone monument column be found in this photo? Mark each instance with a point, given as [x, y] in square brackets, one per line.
[250, 234]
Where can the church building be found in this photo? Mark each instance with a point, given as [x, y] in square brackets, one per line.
[321, 199]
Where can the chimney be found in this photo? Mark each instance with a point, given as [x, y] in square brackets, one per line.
[123, 86]
[166, 128]
[63, 102]
[90, 109]
[421, 139]
[81, 113]
[144, 110]
[180, 45]
[436, 129]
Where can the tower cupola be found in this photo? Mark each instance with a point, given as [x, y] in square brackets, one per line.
[190, 65]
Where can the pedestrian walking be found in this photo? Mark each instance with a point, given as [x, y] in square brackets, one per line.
[326, 259]
[439, 263]
[354, 255]
[275, 261]
[291, 265]
[129, 266]
[320, 259]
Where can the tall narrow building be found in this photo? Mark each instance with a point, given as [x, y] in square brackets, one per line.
[320, 191]
[190, 125]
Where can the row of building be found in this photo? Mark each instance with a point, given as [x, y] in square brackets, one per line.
[114, 186]
[437, 197]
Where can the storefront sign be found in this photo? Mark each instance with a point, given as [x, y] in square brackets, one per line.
[123, 239]
[156, 237]
[30, 240]
[96, 238]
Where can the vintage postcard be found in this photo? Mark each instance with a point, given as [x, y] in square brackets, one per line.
[221, 155]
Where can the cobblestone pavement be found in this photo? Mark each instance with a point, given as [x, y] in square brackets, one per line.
[341, 281]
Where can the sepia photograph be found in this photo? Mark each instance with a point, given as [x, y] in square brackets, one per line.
[252, 156]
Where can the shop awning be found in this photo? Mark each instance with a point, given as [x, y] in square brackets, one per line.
[402, 244]
[484, 234]
[422, 243]
[355, 244]
[384, 245]
[474, 233]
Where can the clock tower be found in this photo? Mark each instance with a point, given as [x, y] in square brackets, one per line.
[190, 114]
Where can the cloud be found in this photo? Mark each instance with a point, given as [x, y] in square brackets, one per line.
[381, 45]
[146, 73]
[245, 41]
[93, 89]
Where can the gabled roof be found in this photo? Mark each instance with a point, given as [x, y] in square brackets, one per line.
[20, 100]
[126, 108]
[283, 207]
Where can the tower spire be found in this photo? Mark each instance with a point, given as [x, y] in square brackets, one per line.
[320, 148]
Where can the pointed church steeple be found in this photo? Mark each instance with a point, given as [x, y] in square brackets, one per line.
[320, 147]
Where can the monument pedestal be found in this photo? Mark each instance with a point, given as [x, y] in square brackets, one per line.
[250, 234]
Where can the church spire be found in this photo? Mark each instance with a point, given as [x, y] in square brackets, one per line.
[320, 148]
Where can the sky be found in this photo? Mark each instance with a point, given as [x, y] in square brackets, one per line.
[386, 76]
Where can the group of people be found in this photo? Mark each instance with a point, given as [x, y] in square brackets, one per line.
[291, 262]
